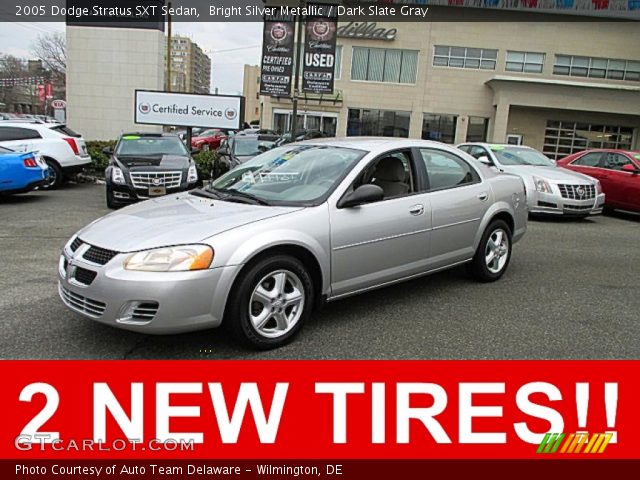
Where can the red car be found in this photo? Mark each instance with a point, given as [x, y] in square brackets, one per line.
[208, 140]
[618, 172]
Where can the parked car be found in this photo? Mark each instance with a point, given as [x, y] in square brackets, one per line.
[617, 170]
[208, 139]
[63, 149]
[8, 116]
[265, 133]
[296, 226]
[146, 165]
[21, 172]
[551, 190]
[301, 134]
[241, 148]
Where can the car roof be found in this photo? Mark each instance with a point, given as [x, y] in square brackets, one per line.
[375, 144]
[491, 144]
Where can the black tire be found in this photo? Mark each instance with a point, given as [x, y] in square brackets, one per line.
[110, 201]
[56, 177]
[478, 267]
[237, 317]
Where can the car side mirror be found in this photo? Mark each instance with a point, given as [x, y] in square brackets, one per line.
[107, 151]
[363, 194]
[630, 168]
[484, 159]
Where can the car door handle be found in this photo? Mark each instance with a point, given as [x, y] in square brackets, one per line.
[417, 210]
[483, 196]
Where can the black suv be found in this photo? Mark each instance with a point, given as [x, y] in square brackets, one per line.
[146, 165]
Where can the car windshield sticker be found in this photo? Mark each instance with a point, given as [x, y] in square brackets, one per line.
[496, 147]
[131, 137]
[637, 157]
[248, 177]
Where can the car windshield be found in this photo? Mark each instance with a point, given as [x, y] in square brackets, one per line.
[293, 174]
[134, 145]
[521, 156]
[249, 146]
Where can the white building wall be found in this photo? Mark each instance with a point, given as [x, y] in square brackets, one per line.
[104, 68]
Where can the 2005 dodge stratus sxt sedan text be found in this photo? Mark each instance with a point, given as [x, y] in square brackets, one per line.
[296, 226]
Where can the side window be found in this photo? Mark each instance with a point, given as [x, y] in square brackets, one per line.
[477, 152]
[446, 170]
[615, 161]
[466, 148]
[588, 160]
[16, 133]
[392, 172]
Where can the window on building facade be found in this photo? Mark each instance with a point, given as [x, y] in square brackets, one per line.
[384, 65]
[564, 138]
[613, 69]
[527, 62]
[477, 129]
[465, 57]
[439, 127]
[371, 122]
[338, 66]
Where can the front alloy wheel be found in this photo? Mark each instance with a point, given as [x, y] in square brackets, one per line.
[497, 250]
[493, 253]
[270, 302]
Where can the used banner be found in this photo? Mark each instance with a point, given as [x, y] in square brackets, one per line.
[320, 50]
[277, 55]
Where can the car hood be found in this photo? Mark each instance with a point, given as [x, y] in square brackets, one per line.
[173, 220]
[164, 161]
[555, 174]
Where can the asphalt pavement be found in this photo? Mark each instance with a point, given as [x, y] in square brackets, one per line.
[571, 292]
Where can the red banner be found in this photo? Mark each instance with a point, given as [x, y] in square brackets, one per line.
[319, 409]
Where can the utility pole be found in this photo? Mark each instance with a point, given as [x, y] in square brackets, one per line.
[168, 82]
[296, 76]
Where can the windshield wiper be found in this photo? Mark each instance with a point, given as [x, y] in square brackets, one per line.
[201, 192]
[244, 195]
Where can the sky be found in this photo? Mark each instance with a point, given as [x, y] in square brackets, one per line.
[229, 45]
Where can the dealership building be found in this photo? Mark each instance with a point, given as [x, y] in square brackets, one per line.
[558, 86]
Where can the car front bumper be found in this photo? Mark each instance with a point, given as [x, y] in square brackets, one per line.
[145, 302]
[554, 204]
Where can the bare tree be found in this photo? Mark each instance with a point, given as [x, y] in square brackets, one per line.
[50, 49]
[10, 68]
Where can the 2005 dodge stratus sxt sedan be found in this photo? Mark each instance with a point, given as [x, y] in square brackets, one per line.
[292, 228]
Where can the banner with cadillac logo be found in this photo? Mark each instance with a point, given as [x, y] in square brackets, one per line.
[188, 110]
[277, 55]
[320, 50]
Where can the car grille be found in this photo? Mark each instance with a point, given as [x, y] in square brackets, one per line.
[156, 179]
[84, 276]
[82, 304]
[145, 312]
[98, 255]
[578, 208]
[75, 244]
[577, 192]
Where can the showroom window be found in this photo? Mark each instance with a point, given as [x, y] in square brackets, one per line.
[384, 65]
[527, 62]
[439, 127]
[477, 129]
[371, 122]
[613, 69]
[465, 57]
[564, 138]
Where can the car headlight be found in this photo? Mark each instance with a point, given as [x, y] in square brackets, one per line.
[117, 176]
[181, 258]
[192, 176]
[541, 185]
[598, 187]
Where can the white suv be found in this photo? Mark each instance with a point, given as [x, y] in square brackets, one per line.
[63, 149]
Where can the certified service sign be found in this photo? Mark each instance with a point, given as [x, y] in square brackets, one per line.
[188, 110]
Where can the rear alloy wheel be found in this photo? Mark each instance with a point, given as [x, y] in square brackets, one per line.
[493, 254]
[55, 176]
[270, 303]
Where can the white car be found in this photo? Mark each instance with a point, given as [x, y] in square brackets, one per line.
[63, 149]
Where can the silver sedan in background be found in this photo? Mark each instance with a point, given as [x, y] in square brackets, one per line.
[288, 230]
[550, 189]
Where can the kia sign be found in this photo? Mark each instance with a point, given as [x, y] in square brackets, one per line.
[57, 104]
[188, 110]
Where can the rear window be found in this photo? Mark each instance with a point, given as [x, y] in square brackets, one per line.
[63, 129]
[17, 133]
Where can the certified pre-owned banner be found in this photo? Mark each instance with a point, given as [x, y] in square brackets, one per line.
[310, 416]
[320, 50]
[277, 55]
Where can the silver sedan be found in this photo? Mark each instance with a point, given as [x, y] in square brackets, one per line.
[290, 229]
[551, 190]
